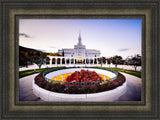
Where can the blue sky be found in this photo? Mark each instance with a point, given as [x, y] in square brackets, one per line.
[110, 36]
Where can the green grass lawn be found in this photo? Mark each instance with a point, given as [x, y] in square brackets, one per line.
[135, 73]
[30, 72]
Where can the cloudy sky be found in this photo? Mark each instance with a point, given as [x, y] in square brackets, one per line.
[110, 36]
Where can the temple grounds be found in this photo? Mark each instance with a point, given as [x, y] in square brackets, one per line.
[133, 89]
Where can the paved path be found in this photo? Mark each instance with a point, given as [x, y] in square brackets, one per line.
[133, 92]
[25, 89]
[133, 88]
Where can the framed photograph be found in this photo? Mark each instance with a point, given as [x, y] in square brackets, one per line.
[79, 59]
[74, 72]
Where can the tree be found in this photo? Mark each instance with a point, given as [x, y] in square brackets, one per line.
[24, 59]
[47, 60]
[55, 54]
[109, 60]
[102, 60]
[39, 60]
[28, 56]
[116, 60]
[135, 61]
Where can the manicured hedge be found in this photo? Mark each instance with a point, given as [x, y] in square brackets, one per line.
[57, 87]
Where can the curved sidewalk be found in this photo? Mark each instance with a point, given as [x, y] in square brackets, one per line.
[133, 89]
[25, 89]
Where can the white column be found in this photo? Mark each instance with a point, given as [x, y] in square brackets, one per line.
[85, 61]
[89, 60]
[73, 61]
[60, 60]
[56, 61]
[70, 61]
[50, 62]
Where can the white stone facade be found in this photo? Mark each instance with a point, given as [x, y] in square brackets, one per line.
[79, 51]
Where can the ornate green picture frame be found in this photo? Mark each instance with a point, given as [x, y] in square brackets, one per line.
[13, 10]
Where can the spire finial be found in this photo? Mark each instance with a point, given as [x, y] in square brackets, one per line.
[79, 34]
[79, 38]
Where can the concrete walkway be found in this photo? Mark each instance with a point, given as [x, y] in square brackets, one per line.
[25, 89]
[133, 89]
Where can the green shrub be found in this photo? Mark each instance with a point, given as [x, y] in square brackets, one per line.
[41, 82]
[73, 90]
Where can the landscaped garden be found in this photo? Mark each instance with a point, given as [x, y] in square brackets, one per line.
[84, 76]
[30, 72]
[131, 72]
[70, 83]
[77, 78]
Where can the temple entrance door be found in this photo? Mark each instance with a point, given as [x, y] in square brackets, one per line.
[80, 60]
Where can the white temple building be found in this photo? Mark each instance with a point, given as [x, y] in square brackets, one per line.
[79, 51]
[78, 55]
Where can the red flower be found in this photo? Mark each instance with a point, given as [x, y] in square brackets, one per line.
[84, 76]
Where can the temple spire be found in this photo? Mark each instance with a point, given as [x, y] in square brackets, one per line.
[79, 38]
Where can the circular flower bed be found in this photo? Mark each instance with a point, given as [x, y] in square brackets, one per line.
[84, 76]
[57, 87]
